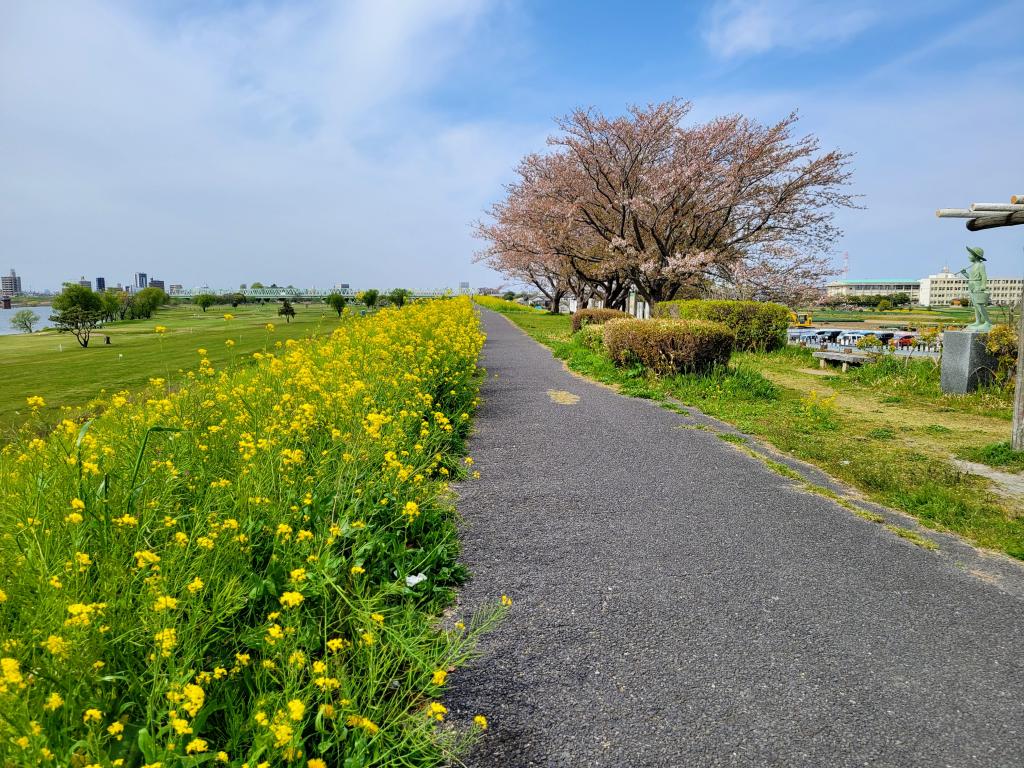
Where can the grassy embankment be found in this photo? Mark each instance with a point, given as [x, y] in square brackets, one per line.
[55, 367]
[244, 564]
[885, 429]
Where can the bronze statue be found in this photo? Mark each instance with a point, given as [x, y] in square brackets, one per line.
[977, 287]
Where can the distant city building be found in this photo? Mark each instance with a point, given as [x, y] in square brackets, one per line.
[141, 280]
[84, 282]
[175, 289]
[939, 290]
[101, 284]
[10, 285]
[156, 284]
[464, 287]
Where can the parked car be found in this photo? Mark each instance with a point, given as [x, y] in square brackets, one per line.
[801, 334]
[906, 340]
[849, 338]
[825, 336]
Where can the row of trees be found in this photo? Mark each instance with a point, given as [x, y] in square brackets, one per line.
[79, 310]
[729, 207]
[336, 301]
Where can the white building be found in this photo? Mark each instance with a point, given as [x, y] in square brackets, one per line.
[942, 289]
[938, 290]
[849, 288]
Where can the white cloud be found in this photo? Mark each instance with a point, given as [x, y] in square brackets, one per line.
[276, 142]
[748, 27]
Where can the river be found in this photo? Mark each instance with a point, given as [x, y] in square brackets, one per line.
[6, 315]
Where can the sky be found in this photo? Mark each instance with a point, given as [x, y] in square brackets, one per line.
[313, 143]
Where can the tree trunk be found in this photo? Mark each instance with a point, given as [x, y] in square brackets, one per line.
[556, 302]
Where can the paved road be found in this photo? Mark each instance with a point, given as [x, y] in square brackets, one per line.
[678, 604]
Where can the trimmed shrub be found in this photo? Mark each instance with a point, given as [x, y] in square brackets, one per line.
[592, 336]
[582, 317]
[664, 345]
[760, 326]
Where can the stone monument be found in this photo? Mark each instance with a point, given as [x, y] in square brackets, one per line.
[966, 364]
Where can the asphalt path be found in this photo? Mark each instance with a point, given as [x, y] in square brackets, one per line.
[676, 603]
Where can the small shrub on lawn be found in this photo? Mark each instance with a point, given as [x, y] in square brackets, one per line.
[584, 317]
[1002, 343]
[760, 326]
[591, 336]
[669, 346]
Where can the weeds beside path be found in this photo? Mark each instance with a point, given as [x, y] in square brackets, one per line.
[679, 603]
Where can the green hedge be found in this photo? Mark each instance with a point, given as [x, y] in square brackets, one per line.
[582, 317]
[760, 326]
[664, 345]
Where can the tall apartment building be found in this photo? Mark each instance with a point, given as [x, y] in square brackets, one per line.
[154, 283]
[141, 281]
[10, 285]
[101, 284]
[85, 282]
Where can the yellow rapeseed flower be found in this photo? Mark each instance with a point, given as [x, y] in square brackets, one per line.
[439, 676]
[165, 603]
[481, 722]
[357, 570]
[291, 599]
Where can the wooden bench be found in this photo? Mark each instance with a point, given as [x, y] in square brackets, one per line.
[846, 358]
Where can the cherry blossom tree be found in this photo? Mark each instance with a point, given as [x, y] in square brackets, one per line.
[642, 200]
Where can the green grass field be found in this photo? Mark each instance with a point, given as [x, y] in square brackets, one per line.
[916, 317]
[55, 367]
[886, 429]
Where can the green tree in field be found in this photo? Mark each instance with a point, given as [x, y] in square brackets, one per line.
[884, 305]
[110, 305]
[257, 284]
[78, 312]
[337, 302]
[370, 297]
[204, 300]
[23, 320]
[75, 296]
[509, 295]
[236, 298]
[399, 296]
[286, 310]
[148, 301]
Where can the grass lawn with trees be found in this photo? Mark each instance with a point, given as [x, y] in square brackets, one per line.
[55, 367]
[885, 429]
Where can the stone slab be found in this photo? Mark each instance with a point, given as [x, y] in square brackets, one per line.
[966, 364]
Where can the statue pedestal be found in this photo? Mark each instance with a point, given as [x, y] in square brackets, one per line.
[966, 364]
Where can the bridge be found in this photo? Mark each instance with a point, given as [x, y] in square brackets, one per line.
[275, 293]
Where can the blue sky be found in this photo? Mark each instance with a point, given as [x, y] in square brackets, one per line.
[313, 142]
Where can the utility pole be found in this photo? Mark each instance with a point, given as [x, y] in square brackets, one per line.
[1018, 396]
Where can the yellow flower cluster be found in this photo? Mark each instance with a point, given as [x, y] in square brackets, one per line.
[243, 541]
